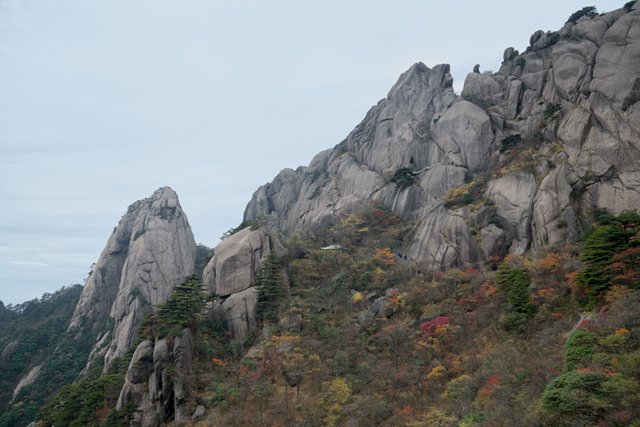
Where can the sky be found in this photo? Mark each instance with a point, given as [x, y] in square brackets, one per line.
[102, 102]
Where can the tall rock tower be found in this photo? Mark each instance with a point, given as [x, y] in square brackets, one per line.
[150, 252]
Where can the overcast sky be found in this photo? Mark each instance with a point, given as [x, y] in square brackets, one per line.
[102, 102]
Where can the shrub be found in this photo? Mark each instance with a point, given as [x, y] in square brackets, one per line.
[551, 110]
[464, 194]
[589, 11]
[579, 348]
[576, 394]
[403, 178]
[430, 327]
[614, 235]
[510, 141]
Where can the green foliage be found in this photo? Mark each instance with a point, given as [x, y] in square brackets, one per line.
[589, 11]
[613, 235]
[181, 310]
[403, 178]
[78, 404]
[514, 283]
[254, 225]
[270, 288]
[37, 333]
[628, 5]
[550, 110]
[576, 394]
[510, 141]
[578, 350]
[203, 255]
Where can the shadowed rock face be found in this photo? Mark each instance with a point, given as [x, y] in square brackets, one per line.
[574, 93]
[150, 252]
[157, 380]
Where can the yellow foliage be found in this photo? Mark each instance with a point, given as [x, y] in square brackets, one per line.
[357, 297]
[337, 393]
[460, 192]
[378, 274]
[352, 221]
[437, 373]
[622, 332]
[434, 418]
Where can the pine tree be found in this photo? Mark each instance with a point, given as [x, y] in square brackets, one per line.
[514, 283]
[270, 289]
[612, 236]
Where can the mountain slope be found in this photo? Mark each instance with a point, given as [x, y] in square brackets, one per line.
[31, 340]
[547, 139]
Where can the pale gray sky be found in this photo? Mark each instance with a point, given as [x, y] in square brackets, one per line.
[102, 102]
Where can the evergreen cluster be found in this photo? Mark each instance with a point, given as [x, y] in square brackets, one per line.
[613, 235]
[403, 178]
[270, 290]
[514, 283]
[181, 310]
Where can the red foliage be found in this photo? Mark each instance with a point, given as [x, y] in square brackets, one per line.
[429, 327]
[492, 383]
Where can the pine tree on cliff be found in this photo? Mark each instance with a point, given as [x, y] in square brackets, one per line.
[270, 288]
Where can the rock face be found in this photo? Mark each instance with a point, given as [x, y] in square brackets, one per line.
[157, 380]
[551, 136]
[28, 379]
[150, 252]
[231, 276]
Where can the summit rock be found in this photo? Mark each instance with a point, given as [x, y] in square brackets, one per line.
[149, 253]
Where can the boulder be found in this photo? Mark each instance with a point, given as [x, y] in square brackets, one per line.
[236, 262]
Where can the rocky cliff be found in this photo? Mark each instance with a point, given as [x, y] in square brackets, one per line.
[230, 276]
[517, 162]
[157, 380]
[150, 252]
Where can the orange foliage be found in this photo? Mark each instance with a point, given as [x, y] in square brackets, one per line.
[384, 257]
[622, 332]
[217, 362]
[515, 261]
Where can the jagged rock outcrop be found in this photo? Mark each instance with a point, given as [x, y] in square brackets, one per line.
[157, 382]
[551, 136]
[150, 252]
[231, 277]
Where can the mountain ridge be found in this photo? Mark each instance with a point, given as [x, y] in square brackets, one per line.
[520, 163]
